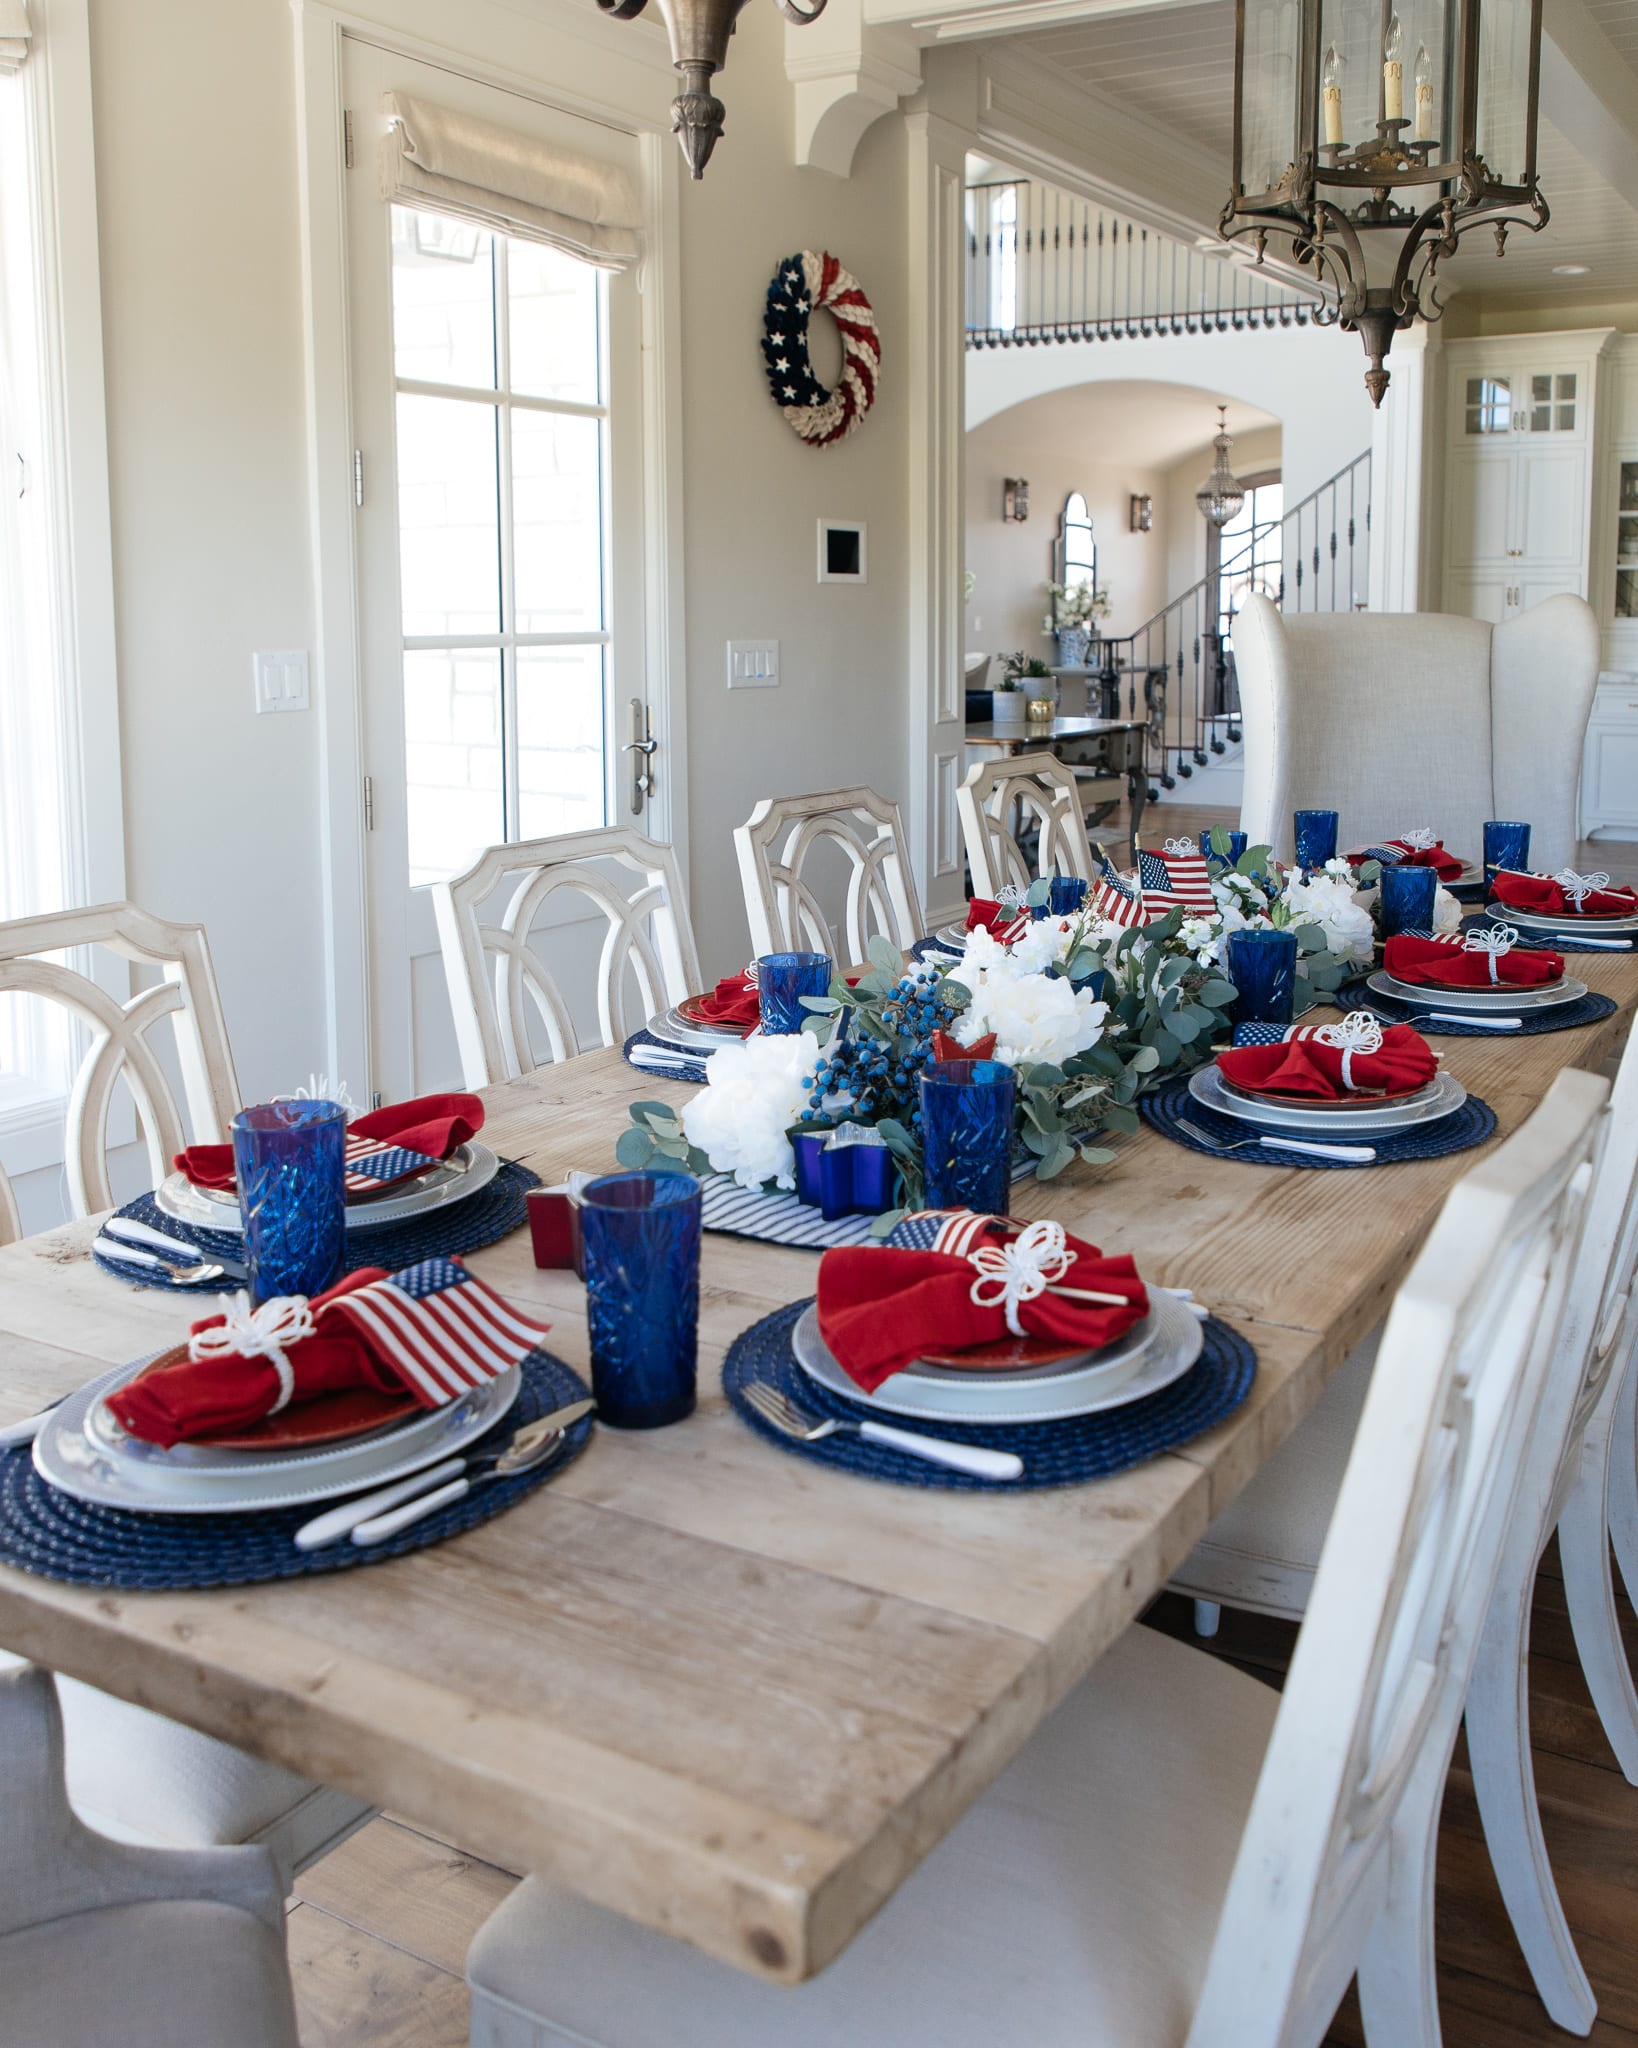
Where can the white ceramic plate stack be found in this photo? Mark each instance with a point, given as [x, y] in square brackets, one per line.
[1150, 1356]
[1506, 999]
[467, 1169]
[673, 1029]
[82, 1451]
[1541, 924]
[1442, 1097]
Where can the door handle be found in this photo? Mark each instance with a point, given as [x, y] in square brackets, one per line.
[643, 745]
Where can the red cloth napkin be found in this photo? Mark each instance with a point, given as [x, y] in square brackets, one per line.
[947, 1048]
[433, 1124]
[1541, 893]
[1447, 963]
[732, 1001]
[1302, 1065]
[985, 914]
[1445, 865]
[882, 1306]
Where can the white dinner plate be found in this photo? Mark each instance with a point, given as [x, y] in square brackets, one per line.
[1169, 1338]
[95, 1463]
[468, 1168]
[1442, 1097]
[1544, 996]
[1557, 921]
[952, 935]
[674, 1030]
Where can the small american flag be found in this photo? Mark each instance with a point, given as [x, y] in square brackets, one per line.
[442, 1330]
[1116, 901]
[1175, 881]
[371, 1164]
[952, 1231]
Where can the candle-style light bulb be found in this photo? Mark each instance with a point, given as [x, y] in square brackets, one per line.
[1331, 93]
[1393, 71]
[1423, 75]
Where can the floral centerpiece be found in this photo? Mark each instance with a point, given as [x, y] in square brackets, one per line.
[1074, 610]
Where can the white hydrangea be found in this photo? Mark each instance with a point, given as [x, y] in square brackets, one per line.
[1328, 901]
[1034, 1016]
[754, 1092]
[1447, 912]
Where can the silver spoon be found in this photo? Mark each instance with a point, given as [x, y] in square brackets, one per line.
[178, 1276]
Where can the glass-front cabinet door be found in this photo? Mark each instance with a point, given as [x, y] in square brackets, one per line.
[1626, 544]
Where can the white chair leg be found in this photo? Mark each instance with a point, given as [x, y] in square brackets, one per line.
[1589, 1594]
[1207, 1614]
[1498, 1742]
[1398, 1990]
[1622, 1481]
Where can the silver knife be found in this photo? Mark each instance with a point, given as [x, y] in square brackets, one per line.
[1474, 1017]
[28, 1429]
[142, 1233]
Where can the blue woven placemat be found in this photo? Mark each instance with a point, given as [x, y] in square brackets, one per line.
[1354, 995]
[1472, 1124]
[1054, 1453]
[691, 1070]
[492, 1213]
[1540, 942]
[57, 1537]
[937, 949]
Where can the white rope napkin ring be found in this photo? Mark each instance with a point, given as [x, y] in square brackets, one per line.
[1422, 840]
[1031, 1265]
[1358, 1032]
[246, 1332]
[1580, 886]
[1184, 846]
[753, 973]
[1495, 940]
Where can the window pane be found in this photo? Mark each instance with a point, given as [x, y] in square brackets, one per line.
[443, 299]
[1504, 81]
[560, 740]
[556, 332]
[1270, 99]
[557, 518]
[452, 759]
[448, 516]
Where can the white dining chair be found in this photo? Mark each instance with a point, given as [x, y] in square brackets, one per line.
[131, 1773]
[1180, 1854]
[1403, 719]
[103, 1943]
[786, 839]
[999, 799]
[1262, 1551]
[495, 921]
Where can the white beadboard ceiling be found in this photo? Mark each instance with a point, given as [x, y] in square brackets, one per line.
[1174, 65]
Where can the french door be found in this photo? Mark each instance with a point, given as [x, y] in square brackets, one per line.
[497, 407]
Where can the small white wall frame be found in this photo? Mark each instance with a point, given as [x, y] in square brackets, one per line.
[843, 551]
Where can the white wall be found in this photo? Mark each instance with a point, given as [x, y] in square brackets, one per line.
[1262, 449]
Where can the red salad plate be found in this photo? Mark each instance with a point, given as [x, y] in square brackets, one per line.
[330, 1419]
[691, 1008]
[1325, 1103]
[1007, 1354]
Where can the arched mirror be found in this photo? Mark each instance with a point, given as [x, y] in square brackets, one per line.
[1074, 556]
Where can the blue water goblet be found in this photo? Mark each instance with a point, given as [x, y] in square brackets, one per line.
[1237, 843]
[966, 1134]
[1262, 965]
[1316, 837]
[1068, 893]
[1506, 845]
[642, 1243]
[782, 980]
[288, 1161]
[1407, 899]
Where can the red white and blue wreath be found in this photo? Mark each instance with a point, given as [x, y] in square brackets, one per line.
[800, 285]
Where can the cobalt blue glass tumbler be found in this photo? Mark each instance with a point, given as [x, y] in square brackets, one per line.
[1068, 893]
[1236, 846]
[1263, 968]
[287, 1159]
[1506, 845]
[782, 980]
[642, 1240]
[1316, 836]
[1407, 900]
[966, 1134]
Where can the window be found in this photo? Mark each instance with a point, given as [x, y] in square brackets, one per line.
[1489, 405]
[501, 364]
[1552, 403]
[1250, 550]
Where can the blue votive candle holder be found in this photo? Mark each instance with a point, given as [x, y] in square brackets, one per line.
[1238, 842]
[1316, 837]
[641, 1233]
[1407, 899]
[287, 1159]
[966, 1134]
[1506, 845]
[782, 980]
[1068, 893]
[1263, 968]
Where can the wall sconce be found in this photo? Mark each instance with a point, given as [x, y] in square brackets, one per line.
[1015, 498]
[1143, 514]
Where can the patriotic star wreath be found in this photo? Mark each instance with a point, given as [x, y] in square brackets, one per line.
[800, 285]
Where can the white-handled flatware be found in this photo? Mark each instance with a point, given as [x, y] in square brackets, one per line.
[28, 1429]
[134, 1232]
[1474, 1017]
[1356, 1155]
[179, 1276]
[784, 1415]
[436, 1485]
[1579, 939]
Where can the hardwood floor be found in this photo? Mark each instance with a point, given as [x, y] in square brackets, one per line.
[379, 1929]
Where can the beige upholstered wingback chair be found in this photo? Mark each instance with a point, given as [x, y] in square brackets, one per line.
[1408, 719]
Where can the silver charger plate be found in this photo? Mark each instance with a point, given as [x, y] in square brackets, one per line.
[69, 1455]
[468, 1168]
[1155, 1352]
[952, 935]
[1544, 996]
[1559, 921]
[675, 1030]
[1442, 1097]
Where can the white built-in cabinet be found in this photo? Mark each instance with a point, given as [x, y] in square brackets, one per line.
[1609, 767]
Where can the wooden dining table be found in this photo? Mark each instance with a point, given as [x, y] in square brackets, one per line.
[729, 1692]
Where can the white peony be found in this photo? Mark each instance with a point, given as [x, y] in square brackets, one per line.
[754, 1092]
[1045, 942]
[1329, 902]
[1447, 912]
[1034, 1016]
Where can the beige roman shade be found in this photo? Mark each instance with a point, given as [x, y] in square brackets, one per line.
[13, 34]
[451, 162]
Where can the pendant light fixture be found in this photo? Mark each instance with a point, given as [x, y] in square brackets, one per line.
[1222, 494]
[1373, 197]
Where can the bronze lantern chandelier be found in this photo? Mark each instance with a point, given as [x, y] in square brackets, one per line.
[1374, 176]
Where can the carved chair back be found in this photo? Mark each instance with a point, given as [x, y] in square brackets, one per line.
[998, 799]
[776, 847]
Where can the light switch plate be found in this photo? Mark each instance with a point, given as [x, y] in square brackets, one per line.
[753, 664]
[281, 680]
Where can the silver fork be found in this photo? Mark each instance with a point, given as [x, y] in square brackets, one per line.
[1358, 1155]
[783, 1413]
